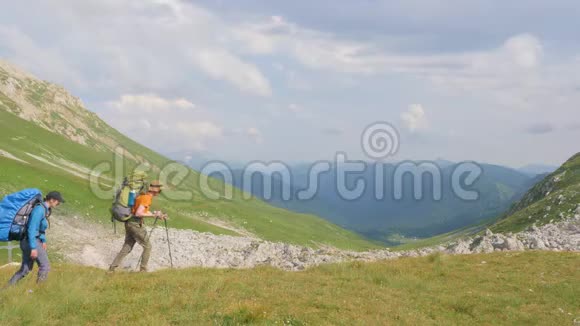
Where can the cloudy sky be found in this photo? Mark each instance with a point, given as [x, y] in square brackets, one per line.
[484, 80]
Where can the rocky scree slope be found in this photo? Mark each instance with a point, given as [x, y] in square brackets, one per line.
[94, 245]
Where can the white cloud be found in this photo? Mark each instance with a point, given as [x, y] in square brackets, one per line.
[220, 64]
[526, 50]
[158, 44]
[514, 73]
[300, 111]
[295, 108]
[252, 133]
[309, 47]
[150, 43]
[164, 124]
[414, 118]
[197, 132]
[148, 55]
[133, 103]
[255, 134]
[43, 61]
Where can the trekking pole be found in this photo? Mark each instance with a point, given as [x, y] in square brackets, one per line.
[168, 243]
[147, 239]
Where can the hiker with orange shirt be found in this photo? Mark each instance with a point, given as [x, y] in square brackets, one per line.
[135, 230]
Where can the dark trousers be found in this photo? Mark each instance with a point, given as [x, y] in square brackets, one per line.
[28, 263]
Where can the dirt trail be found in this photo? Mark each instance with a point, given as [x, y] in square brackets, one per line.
[95, 245]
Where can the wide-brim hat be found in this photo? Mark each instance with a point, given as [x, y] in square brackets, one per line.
[155, 186]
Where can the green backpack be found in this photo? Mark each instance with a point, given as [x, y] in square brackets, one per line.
[132, 186]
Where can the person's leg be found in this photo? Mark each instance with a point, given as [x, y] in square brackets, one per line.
[125, 250]
[143, 240]
[27, 264]
[43, 263]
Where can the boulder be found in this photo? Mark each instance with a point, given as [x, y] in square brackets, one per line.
[481, 245]
[512, 243]
[460, 247]
[537, 243]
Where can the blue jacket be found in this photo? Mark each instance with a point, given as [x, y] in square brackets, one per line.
[37, 225]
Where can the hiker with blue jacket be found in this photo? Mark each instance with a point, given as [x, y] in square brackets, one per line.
[33, 244]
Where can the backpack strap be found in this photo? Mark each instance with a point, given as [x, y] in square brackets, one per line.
[47, 213]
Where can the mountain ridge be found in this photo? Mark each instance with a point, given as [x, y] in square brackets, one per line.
[51, 141]
[555, 197]
[498, 186]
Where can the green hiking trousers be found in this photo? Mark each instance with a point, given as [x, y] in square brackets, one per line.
[134, 233]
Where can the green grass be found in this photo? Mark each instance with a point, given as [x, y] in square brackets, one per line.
[20, 137]
[411, 244]
[538, 212]
[16, 253]
[445, 237]
[532, 288]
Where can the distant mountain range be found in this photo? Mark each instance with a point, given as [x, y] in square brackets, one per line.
[383, 219]
[535, 169]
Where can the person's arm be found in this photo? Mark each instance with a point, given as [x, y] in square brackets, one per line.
[43, 227]
[33, 224]
[142, 213]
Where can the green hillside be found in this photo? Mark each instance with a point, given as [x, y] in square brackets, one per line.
[554, 198]
[48, 140]
[436, 290]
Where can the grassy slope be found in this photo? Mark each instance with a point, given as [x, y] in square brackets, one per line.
[19, 137]
[415, 291]
[15, 175]
[442, 238]
[537, 207]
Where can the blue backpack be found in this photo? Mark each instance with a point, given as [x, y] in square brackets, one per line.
[14, 212]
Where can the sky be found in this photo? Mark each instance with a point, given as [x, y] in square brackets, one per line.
[297, 81]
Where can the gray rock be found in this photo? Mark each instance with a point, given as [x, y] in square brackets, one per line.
[512, 243]
[460, 247]
[507, 243]
[537, 243]
[482, 245]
